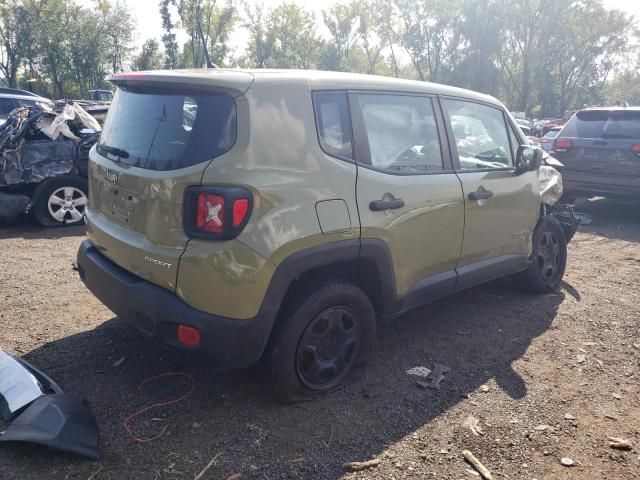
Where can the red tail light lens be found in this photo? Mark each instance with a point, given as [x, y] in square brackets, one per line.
[636, 149]
[240, 210]
[188, 336]
[562, 145]
[210, 213]
[216, 213]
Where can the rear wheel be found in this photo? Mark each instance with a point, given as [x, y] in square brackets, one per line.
[323, 341]
[60, 201]
[548, 259]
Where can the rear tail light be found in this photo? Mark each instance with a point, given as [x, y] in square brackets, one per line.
[562, 145]
[636, 149]
[216, 213]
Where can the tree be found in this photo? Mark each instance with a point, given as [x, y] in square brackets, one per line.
[209, 27]
[297, 44]
[12, 40]
[150, 57]
[430, 34]
[119, 29]
[341, 21]
[169, 37]
[261, 43]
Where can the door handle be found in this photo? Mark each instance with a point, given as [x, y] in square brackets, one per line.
[480, 195]
[378, 205]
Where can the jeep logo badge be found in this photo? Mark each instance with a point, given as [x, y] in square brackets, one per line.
[110, 176]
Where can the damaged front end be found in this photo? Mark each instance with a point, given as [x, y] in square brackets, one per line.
[34, 409]
[551, 190]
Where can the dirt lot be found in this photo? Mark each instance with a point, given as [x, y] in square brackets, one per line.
[519, 363]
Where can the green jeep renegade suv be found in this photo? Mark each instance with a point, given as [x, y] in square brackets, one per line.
[281, 214]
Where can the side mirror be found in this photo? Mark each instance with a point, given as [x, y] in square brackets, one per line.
[528, 159]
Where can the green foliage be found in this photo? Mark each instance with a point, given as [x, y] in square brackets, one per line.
[66, 49]
[150, 57]
[542, 57]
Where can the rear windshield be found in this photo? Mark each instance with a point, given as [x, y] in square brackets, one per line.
[167, 130]
[604, 124]
[552, 133]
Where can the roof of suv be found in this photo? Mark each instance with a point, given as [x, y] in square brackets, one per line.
[316, 79]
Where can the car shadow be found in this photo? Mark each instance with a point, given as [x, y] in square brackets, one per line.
[611, 218]
[478, 333]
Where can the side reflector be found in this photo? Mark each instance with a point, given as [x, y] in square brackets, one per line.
[210, 213]
[240, 210]
[188, 335]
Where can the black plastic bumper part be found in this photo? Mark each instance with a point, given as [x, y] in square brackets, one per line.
[156, 312]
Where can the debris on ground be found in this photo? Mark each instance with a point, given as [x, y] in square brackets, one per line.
[204, 471]
[119, 362]
[581, 358]
[567, 462]
[474, 425]
[235, 476]
[470, 457]
[422, 372]
[484, 388]
[356, 466]
[620, 443]
[437, 374]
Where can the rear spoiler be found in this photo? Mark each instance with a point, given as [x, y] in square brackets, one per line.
[235, 82]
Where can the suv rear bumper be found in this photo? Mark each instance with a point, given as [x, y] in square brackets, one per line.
[227, 343]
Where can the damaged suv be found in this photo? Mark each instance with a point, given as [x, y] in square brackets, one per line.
[278, 215]
[43, 163]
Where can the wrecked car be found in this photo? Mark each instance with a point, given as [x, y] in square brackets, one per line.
[274, 217]
[34, 409]
[44, 157]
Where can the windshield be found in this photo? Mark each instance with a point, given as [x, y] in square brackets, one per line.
[604, 124]
[162, 130]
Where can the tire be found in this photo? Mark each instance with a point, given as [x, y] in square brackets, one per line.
[60, 201]
[548, 258]
[322, 342]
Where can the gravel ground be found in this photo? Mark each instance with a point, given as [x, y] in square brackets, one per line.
[544, 377]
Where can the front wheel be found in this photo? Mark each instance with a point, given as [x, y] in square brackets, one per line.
[60, 201]
[548, 258]
[322, 342]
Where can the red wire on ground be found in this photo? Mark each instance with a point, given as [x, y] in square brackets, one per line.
[156, 405]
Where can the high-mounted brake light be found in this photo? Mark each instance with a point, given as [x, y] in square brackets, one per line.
[562, 145]
[127, 75]
[216, 213]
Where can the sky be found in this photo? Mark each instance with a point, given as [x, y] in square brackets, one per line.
[147, 15]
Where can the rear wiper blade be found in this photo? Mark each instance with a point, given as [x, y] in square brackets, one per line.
[118, 152]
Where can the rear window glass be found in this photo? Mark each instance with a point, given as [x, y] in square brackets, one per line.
[551, 134]
[334, 126]
[604, 124]
[161, 130]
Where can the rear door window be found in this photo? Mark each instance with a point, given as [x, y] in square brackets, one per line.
[162, 130]
[402, 133]
[620, 124]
